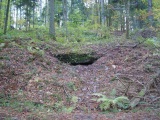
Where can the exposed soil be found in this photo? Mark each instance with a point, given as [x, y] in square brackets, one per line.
[45, 80]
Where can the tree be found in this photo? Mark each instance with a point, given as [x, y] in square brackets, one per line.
[65, 16]
[51, 19]
[102, 12]
[3, 4]
[17, 4]
[6, 19]
[127, 18]
[150, 15]
[29, 7]
[44, 14]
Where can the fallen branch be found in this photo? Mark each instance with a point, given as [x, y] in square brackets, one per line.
[136, 100]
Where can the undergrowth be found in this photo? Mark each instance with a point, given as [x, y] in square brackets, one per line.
[106, 103]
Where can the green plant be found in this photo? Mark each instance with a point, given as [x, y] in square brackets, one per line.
[59, 107]
[113, 92]
[121, 102]
[71, 86]
[74, 99]
[67, 109]
[153, 42]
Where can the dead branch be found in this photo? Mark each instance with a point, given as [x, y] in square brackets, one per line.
[136, 100]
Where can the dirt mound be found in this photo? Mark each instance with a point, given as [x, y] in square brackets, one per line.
[59, 87]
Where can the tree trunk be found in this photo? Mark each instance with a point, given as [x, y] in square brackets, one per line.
[0, 12]
[6, 19]
[102, 12]
[51, 19]
[16, 17]
[109, 16]
[46, 11]
[33, 16]
[127, 18]
[150, 16]
[20, 12]
[99, 12]
[65, 16]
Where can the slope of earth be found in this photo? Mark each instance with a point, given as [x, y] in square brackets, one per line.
[37, 86]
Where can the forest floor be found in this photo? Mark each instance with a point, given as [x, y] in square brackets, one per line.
[37, 86]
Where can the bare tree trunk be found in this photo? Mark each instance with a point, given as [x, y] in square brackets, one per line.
[65, 16]
[127, 18]
[20, 12]
[33, 16]
[109, 17]
[16, 17]
[51, 19]
[0, 12]
[6, 19]
[102, 12]
[150, 17]
[10, 17]
[46, 11]
[99, 11]
[40, 6]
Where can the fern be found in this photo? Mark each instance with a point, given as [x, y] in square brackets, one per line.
[121, 102]
[106, 104]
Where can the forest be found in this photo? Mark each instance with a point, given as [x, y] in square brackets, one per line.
[79, 59]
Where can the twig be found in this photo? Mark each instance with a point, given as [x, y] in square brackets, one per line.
[127, 89]
[136, 101]
[155, 99]
[65, 91]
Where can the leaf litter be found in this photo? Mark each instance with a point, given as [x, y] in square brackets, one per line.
[43, 80]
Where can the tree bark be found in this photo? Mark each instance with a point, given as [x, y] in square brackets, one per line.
[6, 19]
[20, 12]
[46, 13]
[127, 18]
[109, 16]
[102, 12]
[64, 11]
[51, 19]
[33, 16]
[16, 17]
[65, 16]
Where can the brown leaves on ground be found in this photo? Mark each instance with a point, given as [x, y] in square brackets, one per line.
[46, 81]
